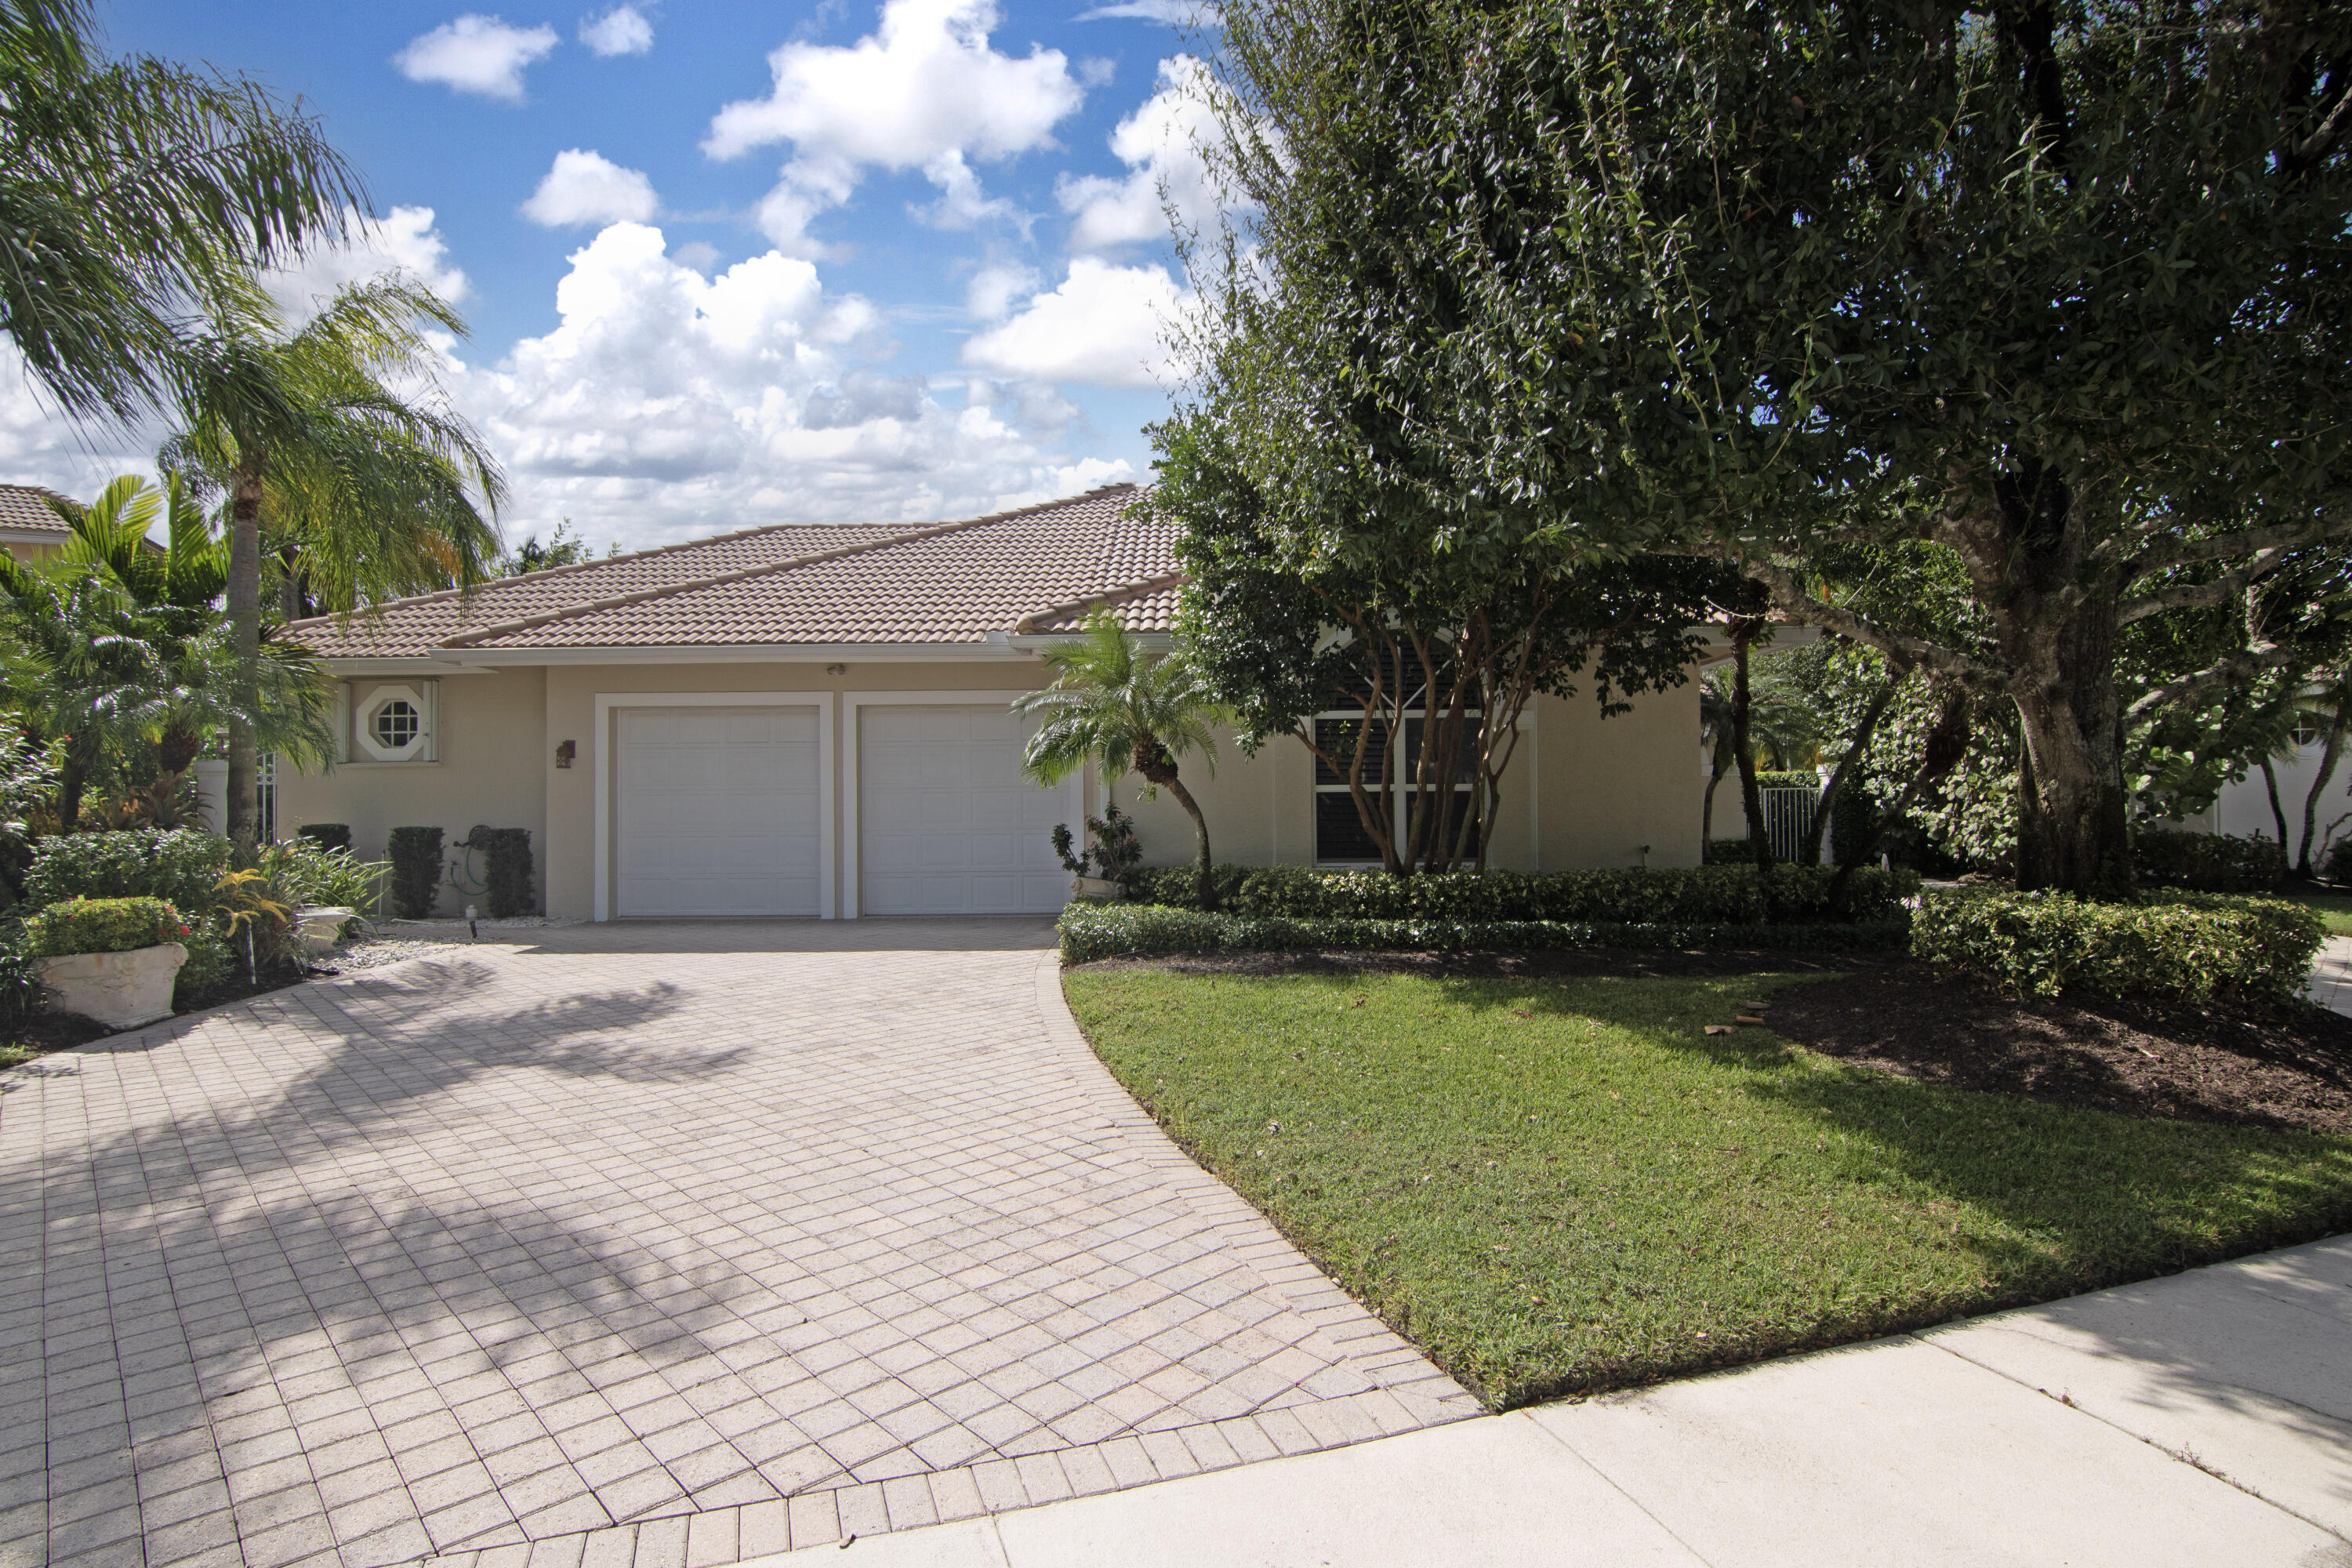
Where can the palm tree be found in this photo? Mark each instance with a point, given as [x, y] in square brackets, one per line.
[132, 190]
[1112, 705]
[384, 492]
[1779, 724]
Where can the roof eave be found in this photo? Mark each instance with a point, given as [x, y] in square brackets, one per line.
[996, 647]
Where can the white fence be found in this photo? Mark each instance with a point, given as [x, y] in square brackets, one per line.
[1788, 818]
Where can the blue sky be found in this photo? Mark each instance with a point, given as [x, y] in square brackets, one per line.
[735, 264]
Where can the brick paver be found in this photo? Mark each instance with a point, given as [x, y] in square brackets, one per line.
[633, 1244]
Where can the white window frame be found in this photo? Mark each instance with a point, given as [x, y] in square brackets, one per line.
[601, 749]
[1400, 783]
[1072, 789]
[421, 747]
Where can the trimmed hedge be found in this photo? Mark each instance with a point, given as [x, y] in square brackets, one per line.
[182, 865]
[416, 857]
[103, 925]
[1707, 895]
[2189, 946]
[508, 888]
[2207, 862]
[1092, 931]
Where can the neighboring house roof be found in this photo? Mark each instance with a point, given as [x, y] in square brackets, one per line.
[863, 584]
[27, 517]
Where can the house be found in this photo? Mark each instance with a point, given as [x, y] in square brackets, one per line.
[30, 529]
[812, 721]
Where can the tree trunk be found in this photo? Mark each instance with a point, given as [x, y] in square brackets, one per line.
[1158, 769]
[1743, 746]
[1823, 807]
[2054, 611]
[72, 778]
[1707, 812]
[244, 597]
[2278, 812]
[2330, 753]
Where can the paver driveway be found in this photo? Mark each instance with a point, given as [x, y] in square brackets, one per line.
[669, 1244]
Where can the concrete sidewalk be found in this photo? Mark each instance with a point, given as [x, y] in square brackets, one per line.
[2201, 1419]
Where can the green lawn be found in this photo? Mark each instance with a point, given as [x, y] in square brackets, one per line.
[1564, 1186]
[2335, 908]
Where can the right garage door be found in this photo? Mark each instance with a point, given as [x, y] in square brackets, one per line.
[946, 824]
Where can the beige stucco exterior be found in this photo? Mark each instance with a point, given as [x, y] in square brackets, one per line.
[1582, 792]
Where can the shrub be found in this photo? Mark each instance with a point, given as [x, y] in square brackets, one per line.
[1178, 885]
[416, 857]
[2338, 866]
[1784, 778]
[1091, 932]
[1709, 895]
[2207, 862]
[326, 835]
[300, 871]
[508, 888]
[1729, 852]
[103, 925]
[2189, 946]
[182, 865]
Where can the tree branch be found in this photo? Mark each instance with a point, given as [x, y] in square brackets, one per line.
[2238, 665]
[2195, 595]
[2248, 542]
[1791, 599]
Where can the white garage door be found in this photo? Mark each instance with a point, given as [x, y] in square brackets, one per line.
[946, 824]
[716, 811]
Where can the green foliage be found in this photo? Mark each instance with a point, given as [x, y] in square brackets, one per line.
[1096, 931]
[304, 871]
[1112, 852]
[563, 548]
[2340, 862]
[326, 835]
[133, 189]
[1706, 896]
[1729, 852]
[416, 857]
[2207, 862]
[508, 885]
[181, 866]
[2191, 946]
[103, 925]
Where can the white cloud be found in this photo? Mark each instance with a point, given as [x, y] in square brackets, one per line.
[475, 54]
[622, 30]
[1170, 13]
[585, 187]
[993, 290]
[1163, 144]
[405, 241]
[923, 91]
[1103, 327]
[667, 405]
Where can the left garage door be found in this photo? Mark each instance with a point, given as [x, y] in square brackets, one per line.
[716, 811]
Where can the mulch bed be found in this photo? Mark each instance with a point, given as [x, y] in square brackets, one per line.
[2287, 1067]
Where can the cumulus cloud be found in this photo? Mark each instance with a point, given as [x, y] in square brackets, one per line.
[475, 54]
[585, 187]
[924, 92]
[993, 290]
[1103, 327]
[622, 30]
[1163, 144]
[405, 240]
[665, 404]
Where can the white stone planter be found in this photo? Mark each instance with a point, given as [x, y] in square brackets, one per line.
[1095, 888]
[120, 990]
[321, 926]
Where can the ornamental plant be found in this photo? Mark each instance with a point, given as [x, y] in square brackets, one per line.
[103, 925]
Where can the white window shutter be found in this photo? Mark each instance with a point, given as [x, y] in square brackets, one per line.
[431, 691]
[343, 721]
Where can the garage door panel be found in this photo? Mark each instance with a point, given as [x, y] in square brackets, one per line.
[947, 822]
[717, 811]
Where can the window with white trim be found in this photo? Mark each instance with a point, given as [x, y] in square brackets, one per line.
[1340, 839]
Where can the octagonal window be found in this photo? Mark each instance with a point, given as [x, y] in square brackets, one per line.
[395, 724]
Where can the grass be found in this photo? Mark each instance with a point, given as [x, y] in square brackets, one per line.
[1559, 1186]
[2335, 908]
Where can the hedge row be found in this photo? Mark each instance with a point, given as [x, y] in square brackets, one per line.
[103, 925]
[1706, 895]
[1091, 932]
[2189, 946]
[2207, 862]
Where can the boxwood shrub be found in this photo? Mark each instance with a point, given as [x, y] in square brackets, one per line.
[507, 886]
[103, 925]
[1094, 931]
[1706, 895]
[2186, 946]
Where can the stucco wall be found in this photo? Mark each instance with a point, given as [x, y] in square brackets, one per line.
[492, 769]
[1582, 791]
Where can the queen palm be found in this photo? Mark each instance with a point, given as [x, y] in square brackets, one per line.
[132, 190]
[1112, 705]
[337, 436]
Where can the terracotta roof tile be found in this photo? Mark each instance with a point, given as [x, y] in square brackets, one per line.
[944, 583]
[24, 508]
